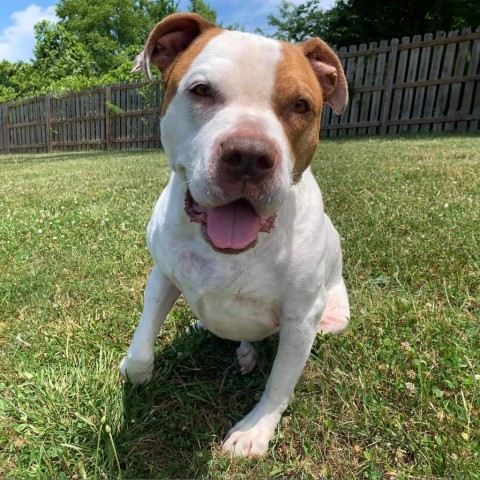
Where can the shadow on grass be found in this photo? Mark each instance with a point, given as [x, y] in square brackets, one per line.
[171, 425]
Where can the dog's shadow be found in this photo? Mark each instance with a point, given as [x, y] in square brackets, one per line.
[171, 425]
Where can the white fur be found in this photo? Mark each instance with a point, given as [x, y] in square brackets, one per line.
[283, 283]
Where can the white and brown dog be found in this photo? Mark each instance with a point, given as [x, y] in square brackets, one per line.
[240, 229]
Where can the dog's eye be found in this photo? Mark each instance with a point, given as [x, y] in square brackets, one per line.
[201, 90]
[301, 106]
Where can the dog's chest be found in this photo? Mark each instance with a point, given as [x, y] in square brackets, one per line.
[232, 299]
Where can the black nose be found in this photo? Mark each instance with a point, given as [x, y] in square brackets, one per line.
[248, 157]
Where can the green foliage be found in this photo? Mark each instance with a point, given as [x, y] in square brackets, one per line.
[109, 27]
[94, 43]
[203, 9]
[298, 22]
[362, 21]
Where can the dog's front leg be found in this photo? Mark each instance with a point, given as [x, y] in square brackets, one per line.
[160, 295]
[250, 436]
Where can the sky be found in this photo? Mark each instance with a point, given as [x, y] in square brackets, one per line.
[17, 18]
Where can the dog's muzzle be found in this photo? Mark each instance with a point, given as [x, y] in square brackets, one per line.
[230, 228]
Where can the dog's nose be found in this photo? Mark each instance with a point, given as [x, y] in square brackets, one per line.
[248, 157]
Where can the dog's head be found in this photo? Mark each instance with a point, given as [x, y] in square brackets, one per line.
[240, 120]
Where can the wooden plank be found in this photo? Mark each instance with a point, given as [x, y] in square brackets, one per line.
[406, 108]
[444, 90]
[369, 123]
[78, 133]
[454, 101]
[443, 120]
[379, 83]
[433, 75]
[441, 40]
[398, 93]
[468, 104]
[123, 120]
[48, 126]
[108, 126]
[91, 124]
[83, 142]
[98, 123]
[27, 147]
[387, 99]
[26, 117]
[6, 132]
[357, 97]
[367, 82]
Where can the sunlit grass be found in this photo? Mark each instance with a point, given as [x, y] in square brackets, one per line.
[397, 396]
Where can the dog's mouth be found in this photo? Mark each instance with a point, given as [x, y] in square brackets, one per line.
[230, 228]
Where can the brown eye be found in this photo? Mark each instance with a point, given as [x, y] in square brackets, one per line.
[301, 106]
[201, 90]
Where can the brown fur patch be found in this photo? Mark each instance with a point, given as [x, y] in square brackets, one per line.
[296, 80]
[180, 66]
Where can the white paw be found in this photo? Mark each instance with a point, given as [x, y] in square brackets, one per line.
[245, 441]
[135, 371]
[247, 357]
[250, 437]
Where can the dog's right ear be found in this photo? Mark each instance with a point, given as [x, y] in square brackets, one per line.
[170, 37]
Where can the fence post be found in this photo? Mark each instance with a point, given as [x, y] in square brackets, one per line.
[387, 100]
[48, 122]
[108, 101]
[6, 131]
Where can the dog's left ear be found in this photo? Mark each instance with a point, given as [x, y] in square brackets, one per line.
[329, 72]
[169, 38]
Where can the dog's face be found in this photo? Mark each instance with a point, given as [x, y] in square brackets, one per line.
[241, 120]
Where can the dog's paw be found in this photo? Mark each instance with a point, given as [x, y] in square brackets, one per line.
[136, 372]
[250, 437]
[195, 326]
[249, 442]
[247, 357]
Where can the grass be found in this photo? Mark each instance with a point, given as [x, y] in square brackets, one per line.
[397, 396]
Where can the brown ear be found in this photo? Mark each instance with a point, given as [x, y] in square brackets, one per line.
[170, 37]
[329, 72]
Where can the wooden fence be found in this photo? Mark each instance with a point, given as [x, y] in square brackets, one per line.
[419, 85]
[115, 117]
[422, 85]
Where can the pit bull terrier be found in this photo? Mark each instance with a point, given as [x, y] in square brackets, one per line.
[240, 228]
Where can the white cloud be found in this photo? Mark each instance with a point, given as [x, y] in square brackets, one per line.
[17, 40]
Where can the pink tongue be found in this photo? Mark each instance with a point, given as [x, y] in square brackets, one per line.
[235, 225]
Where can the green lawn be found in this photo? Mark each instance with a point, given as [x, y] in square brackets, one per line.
[397, 396]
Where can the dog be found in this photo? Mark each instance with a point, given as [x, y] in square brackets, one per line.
[240, 229]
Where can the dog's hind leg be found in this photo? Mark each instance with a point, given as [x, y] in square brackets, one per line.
[247, 357]
[336, 315]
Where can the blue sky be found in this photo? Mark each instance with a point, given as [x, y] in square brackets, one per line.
[17, 18]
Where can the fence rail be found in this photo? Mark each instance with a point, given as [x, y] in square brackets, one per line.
[420, 85]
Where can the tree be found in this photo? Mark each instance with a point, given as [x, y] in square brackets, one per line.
[362, 21]
[109, 27]
[296, 23]
[203, 9]
[94, 43]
